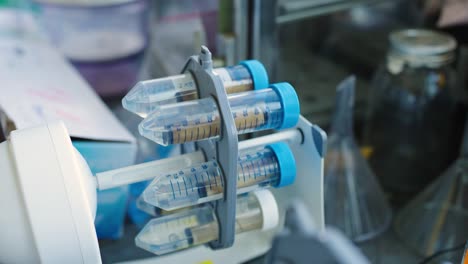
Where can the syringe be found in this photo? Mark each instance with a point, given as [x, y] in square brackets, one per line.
[273, 165]
[272, 108]
[170, 233]
[151, 170]
[146, 96]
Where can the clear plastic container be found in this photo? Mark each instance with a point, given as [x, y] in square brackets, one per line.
[147, 96]
[198, 226]
[273, 108]
[104, 39]
[273, 165]
[354, 200]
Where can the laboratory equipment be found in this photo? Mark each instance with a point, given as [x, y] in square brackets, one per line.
[256, 211]
[307, 142]
[71, 196]
[436, 218]
[273, 108]
[147, 96]
[354, 200]
[415, 122]
[225, 128]
[273, 165]
[105, 39]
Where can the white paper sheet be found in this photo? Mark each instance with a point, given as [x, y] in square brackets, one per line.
[37, 85]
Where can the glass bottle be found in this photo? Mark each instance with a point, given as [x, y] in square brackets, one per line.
[414, 124]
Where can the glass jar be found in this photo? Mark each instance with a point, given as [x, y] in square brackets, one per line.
[415, 123]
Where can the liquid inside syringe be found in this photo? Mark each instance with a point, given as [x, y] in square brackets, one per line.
[273, 108]
[201, 127]
[273, 165]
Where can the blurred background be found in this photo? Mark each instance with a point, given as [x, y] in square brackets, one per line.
[410, 96]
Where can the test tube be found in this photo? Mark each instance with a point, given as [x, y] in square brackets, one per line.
[273, 165]
[256, 211]
[276, 107]
[146, 96]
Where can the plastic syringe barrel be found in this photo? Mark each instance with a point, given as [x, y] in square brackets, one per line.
[273, 108]
[147, 96]
[185, 229]
[150, 170]
[273, 165]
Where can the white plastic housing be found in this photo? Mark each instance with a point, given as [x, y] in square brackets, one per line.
[47, 199]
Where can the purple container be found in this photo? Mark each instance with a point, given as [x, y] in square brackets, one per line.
[104, 40]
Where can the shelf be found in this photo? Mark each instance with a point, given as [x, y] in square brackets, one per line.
[292, 11]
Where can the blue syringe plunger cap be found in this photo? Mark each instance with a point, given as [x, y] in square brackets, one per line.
[286, 162]
[289, 102]
[258, 73]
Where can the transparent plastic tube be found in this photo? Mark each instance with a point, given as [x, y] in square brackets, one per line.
[273, 108]
[198, 226]
[147, 96]
[273, 165]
